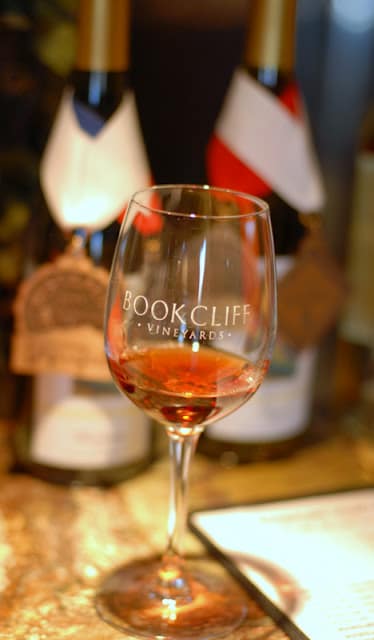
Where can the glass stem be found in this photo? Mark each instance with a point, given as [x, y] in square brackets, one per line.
[181, 450]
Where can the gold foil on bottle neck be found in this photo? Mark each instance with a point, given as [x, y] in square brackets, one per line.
[270, 40]
[103, 35]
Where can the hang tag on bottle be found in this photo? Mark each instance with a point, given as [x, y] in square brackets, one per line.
[59, 314]
[311, 294]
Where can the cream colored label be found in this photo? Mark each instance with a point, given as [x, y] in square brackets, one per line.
[271, 141]
[87, 431]
[279, 409]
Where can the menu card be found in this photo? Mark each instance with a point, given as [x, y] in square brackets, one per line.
[309, 560]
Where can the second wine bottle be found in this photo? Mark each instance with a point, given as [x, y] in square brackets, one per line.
[261, 145]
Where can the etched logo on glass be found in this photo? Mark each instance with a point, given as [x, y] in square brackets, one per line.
[197, 322]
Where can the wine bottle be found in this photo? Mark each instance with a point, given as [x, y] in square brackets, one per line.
[261, 144]
[77, 428]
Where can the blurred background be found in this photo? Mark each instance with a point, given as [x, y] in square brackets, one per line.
[182, 60]
[183, 55]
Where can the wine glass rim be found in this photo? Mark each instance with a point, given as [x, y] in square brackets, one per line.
[262, 206]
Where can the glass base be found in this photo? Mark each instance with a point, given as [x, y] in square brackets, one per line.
[151, 600]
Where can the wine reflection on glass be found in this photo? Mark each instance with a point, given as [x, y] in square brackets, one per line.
[188, 338]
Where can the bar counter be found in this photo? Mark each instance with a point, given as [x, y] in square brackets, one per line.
[57, 542]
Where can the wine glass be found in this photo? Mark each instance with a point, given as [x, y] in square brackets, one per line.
[190, 323]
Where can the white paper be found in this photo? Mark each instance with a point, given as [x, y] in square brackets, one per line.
[313, 558]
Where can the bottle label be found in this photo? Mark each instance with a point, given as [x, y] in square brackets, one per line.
[85, 428]
[271, 141]
[281, 406]
[88, 179]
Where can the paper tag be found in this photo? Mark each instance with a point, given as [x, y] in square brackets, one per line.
[59, 320]
[310, 295]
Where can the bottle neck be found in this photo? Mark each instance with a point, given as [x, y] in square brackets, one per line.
[103, 36]
[100, 74]
[269, 56]
[102, 91]
[270, 42]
